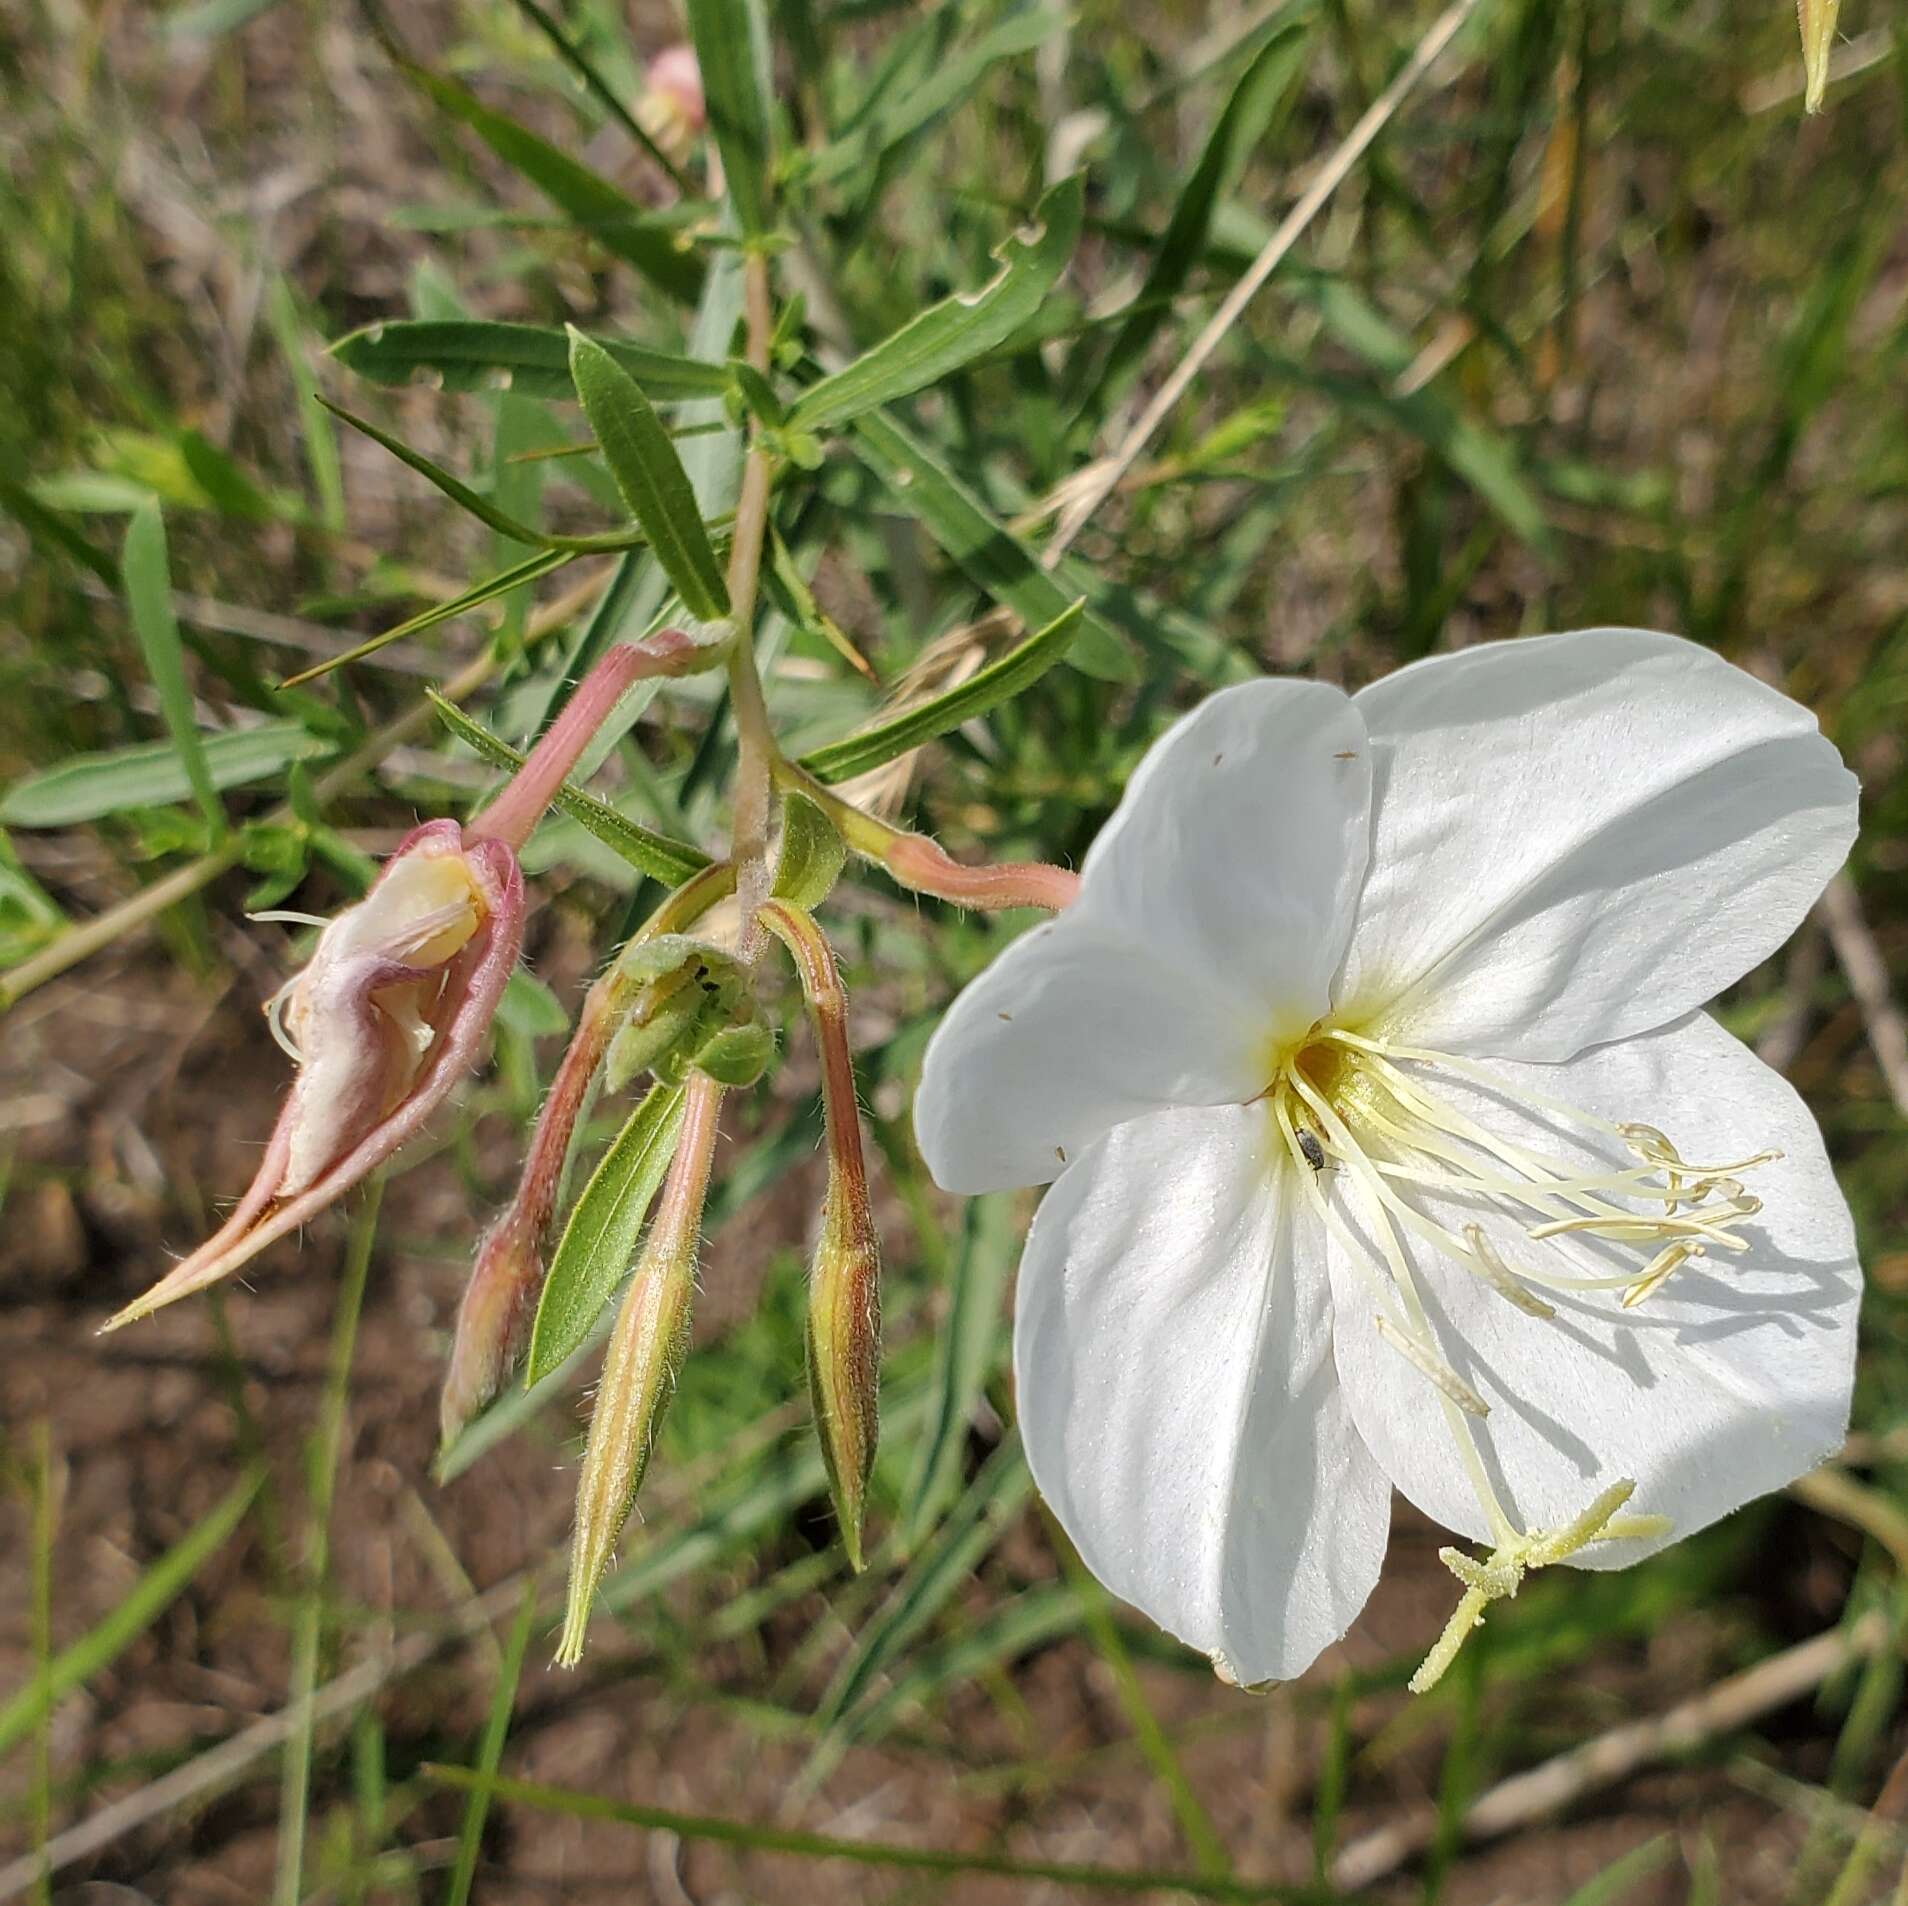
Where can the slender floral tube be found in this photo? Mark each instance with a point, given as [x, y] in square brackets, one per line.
[639, 1372]
[925, 866]
[844, 1286]
[401, 988]
[506, 1283]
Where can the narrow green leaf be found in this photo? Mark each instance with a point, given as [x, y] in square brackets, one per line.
[989, 1506]
[811, 856]
[599, 1241]
[50, 530]
[459, 492]
[978, 543]
[501, 584]
[650, 475]
[320, 440]
[602, 91]
[1006, 1632]
[148, 580]
[999, 681]
[820, 1846]
[490, 1749]
[1240, 125]
[967, 1349]
[148, 1599]
[730, 51]
[670, 861]
[900, 111]
[89, 786]
[958, 329]
[591, 203]
[532, 359]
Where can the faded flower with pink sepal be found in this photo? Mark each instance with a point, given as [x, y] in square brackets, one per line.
[1390, 1146]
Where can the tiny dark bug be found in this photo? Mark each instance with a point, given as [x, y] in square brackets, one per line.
[1313, 1151]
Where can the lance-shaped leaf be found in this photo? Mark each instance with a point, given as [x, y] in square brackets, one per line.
[844, 1282]
[664, 859]
[148, 579]
[151, 774]
[729, 41]
[958, 329]
[590, 202]
[999, 681]
[530, 359]
[978, 543]
[650, 475]
[639, 1372]
[599, 1240]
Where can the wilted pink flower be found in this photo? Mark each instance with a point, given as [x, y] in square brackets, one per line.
[394, 1004]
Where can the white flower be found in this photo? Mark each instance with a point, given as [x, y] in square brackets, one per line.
[1446, 939]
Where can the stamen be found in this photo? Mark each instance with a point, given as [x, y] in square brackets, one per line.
[1432, 1367]
[1500, 1277]
[289, 917]
[275, 1019]
[1659, 1270]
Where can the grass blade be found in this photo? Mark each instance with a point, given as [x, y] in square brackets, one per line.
[981, 546]
[650, 475]
[754, 1837]
[151, 1595]
[590, 202]
[966, 1351]
[999, 681]
[470, 1835]
[670, 861]
[531, 359]
[322, 1454]
[1242, 122]
[599, 1240]
[958, 329]
[148, 580]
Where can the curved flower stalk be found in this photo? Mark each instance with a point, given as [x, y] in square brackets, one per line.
[392, 1009]
[1391, 1147]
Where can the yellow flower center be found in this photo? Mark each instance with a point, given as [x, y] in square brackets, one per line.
[1365, 1117]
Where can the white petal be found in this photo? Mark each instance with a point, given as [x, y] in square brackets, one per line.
[1212, 914]
[1177, 1395]
[1729, 1382]
[1579, 837]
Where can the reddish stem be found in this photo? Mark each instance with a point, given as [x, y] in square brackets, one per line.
[927, 867]
[511, 816]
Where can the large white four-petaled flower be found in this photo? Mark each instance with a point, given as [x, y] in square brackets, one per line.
[1391, 1147]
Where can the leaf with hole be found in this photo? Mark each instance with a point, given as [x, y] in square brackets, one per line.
[958, 329]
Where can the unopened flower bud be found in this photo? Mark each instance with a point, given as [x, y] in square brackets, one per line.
[671, 107]
[1816, 18]
[844, 1288]
[639, 1372]
[737, 1055]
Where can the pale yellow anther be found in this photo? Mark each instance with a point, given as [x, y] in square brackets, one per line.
[1500, 1277]
[1659, 1270]
[1429, 1365]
